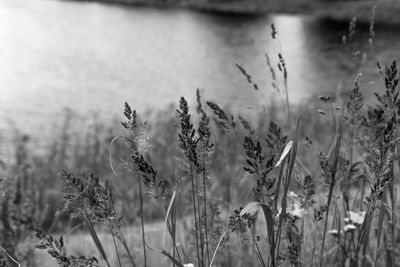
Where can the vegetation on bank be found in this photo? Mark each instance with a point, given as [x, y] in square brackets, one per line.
[338, 10]
[386, 11]
[240, 7]
[254, 7]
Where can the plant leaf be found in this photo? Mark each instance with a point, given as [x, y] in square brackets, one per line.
[337, 212]
[249, 208]
[175, 261]
[171, 202]
[380, 222]
[96, 239]
[216, 249]
[285, 152]
[8, 255]
[269, 220]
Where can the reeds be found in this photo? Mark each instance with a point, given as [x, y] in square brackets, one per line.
[270, 165]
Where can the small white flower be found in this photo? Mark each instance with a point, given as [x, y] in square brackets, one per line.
[333, 232]
[278, 211]
[349, 227]
[294, 205]
[355, 217]
[296, 211]
[188, 265]
[292, 194]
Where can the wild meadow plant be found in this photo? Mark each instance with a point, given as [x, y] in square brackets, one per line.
[20, 209]
[90, 201]
[284, 212]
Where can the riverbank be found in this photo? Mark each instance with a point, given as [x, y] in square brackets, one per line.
[386, 12]
[255, 7]
[239, 7]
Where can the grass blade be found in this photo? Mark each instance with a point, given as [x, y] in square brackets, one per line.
[96, 239]
[270, 224]
[249, 208]
[216, 249]
[270, 227]
[333, 176]
[171, 202]
[110, 151]
[286, 183]
[337, 211]
[285, 152]
[175, 261]
[293, 152]
[115, 245]
[380, 223]
[8, 255]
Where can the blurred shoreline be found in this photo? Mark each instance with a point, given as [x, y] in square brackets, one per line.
[386, 10]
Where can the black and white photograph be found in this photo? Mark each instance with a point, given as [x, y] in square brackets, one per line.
[199, 133]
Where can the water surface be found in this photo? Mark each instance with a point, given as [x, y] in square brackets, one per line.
[93, 57]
